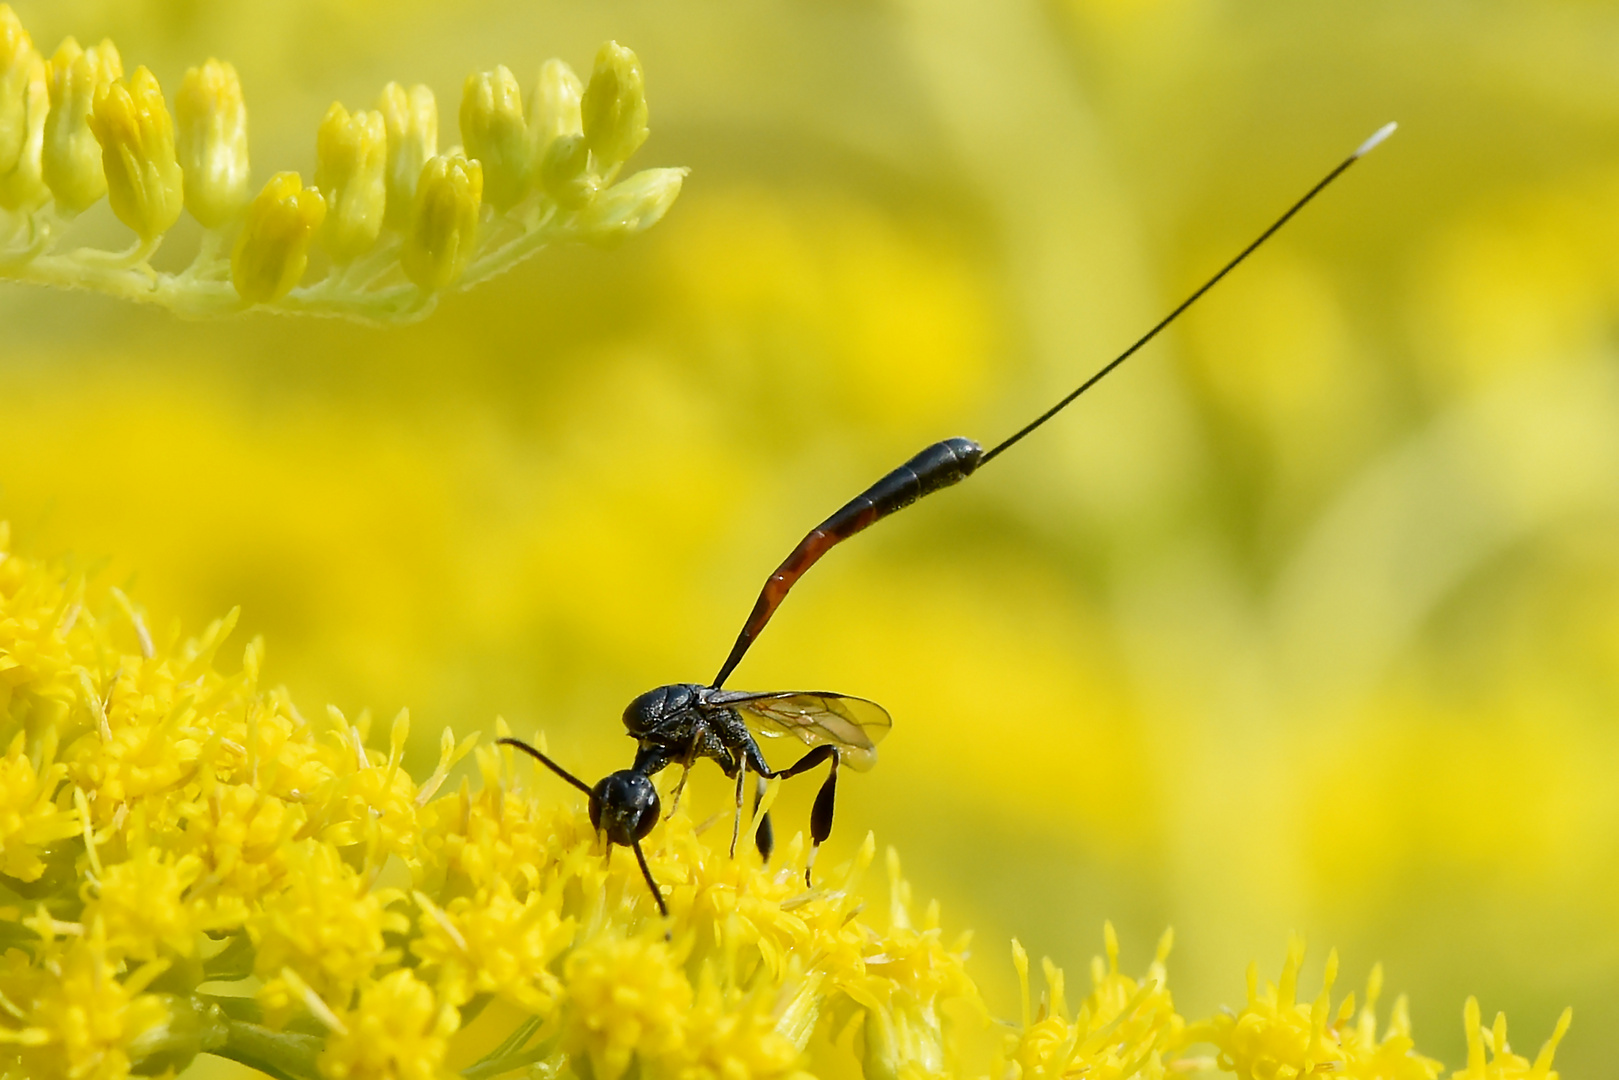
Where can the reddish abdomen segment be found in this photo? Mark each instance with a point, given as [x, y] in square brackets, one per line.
[940, 465]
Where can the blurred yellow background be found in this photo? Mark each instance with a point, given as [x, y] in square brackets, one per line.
[1307, 619]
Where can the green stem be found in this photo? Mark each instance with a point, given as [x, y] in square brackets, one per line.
[283, 1055]
[488, 1068]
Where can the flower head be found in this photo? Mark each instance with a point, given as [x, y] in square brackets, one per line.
[272, 250]
[614, 105]
[17, 65]
[71, 154]
[553, 110]
[495, 135]
[212, 133]
[1278, 1037]
[444, 224]
[411, 118]
[25, 102]
[144, 182]
[351, 155]
[397, 1030]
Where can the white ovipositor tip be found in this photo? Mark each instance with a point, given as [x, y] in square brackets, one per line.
[1377, 136]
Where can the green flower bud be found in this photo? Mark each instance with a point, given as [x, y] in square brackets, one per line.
[553, 111]
[24, 103]
[212, 130]
[495, 135]
[351, 158]
[272, 250]
[444, 222]
[17, 64]
[136, 134]
[633, 205]
[613, 110]
[71, 156]
[411, 117]
[565, 173]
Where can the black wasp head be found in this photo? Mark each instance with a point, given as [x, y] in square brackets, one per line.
[624, 806]
[649, 712]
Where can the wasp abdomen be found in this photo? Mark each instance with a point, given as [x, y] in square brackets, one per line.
[940, 465]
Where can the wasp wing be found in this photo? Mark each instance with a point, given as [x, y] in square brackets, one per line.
[854, 725]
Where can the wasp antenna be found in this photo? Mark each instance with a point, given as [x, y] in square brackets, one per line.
[1377, 138]
[646, 872]
[548, 763]
[1360, 151]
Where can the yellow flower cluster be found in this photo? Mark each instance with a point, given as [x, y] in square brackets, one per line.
[392, 220]
[189, 865]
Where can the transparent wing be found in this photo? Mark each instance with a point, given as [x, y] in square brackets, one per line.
[854, 725]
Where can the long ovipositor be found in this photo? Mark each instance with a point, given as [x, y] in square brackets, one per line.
[945, 463]
[940, 465]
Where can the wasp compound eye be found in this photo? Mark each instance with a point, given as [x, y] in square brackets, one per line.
[624, 806]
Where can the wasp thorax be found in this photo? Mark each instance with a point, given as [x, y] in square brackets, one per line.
[624, 806]
[647, 713]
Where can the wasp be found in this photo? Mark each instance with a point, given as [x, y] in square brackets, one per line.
[682, 722]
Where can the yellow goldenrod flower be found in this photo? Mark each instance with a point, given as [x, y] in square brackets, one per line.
[327, 922]
[444, 224]
[254, 855]
[351, 154]
[494, 943]
[1500, 1063]
[212, 134]
[22, 182]
[148, 907]
[144, 182]
[71, 154]
[273, 247]
[1277, 1035]
[634, 205]
[78, 1014]
[1124, 1027]
[614, 106]
[30, 817]
[565, 173]
[495, 135]
[396, 1031]
[411, 117]
[17, 59]
[553, 111]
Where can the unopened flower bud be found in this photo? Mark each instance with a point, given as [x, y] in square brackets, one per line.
[565, 173]
[17, 59]
[444, 222]
[71, 155]
[553, 111]
[212, 136]
[614, 106]
[411, 117]
[136, 134]
[273, 248]
[495, 135]
[351, 158]
[24, 103]
[632, 205]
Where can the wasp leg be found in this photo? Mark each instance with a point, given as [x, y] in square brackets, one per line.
[825, 799]
[736, 822]
[764, 837]
[685, 774]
